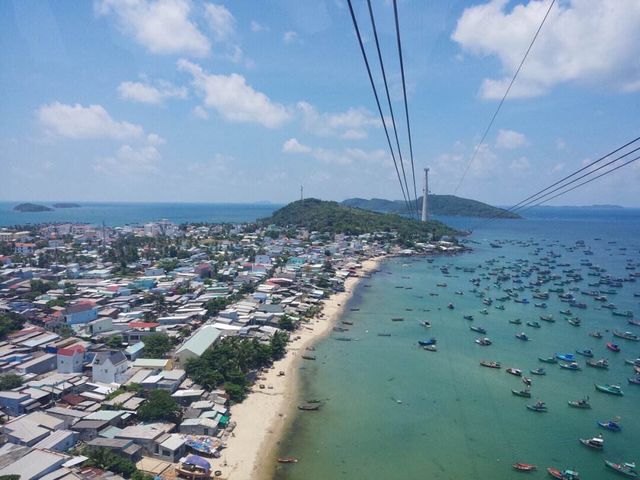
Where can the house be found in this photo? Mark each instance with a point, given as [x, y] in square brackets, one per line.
[81, 312]
[39, 365]
[154, 363]
[24, 248]
[14, 403]
[89, 429]
[133, 352]
[30, 429]
[124, 447]
[199, 426]
[171, 449]
[196, 345]
[59, 441]
[109, 367]
[70, 359]
[143, 435]
[35, 464]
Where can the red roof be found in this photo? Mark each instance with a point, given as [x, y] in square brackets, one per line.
[79, 307]
[71, 350]
[143, 324]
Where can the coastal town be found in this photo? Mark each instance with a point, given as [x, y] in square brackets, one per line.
[164, 350]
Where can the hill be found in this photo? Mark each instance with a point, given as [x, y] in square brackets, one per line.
[31, 207]
[438, 205]
[332, 217]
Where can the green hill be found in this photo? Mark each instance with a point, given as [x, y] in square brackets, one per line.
[332, 217]
[438, 205]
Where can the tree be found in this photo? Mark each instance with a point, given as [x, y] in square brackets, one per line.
[115, 342]
[286, 322]
[156, 345]
[160, 406]
[10, 381]
[9, 322]
[279, 345]
[109, 460]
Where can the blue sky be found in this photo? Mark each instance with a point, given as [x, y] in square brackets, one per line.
[197, 101]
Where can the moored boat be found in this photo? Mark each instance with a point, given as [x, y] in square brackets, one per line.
[610, 389]
[601, 363]
[517, 321]
[563, 475]
[548, 359]
[595, 334]
[533, 324]
[287, 460]
[626, 469]
[538, 407]
[522, 393]
[538, 371]
[611, 425]
[547, 318]
[478, 329]
[597, 443]
[426, 324]
[585, 352]
[570, 366]
[582, 403]
[430, 341]
[524, 467]
[614, 347]
[484, 341]
[566, 357]
[627, 314]
[490, 364]
[522, 336]
[514, 371]
[468, 317]
[634, 380]
[626, 335]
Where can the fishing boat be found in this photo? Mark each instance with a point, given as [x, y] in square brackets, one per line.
[595, 334]
[611, 425]
[397, 319]
[570, 366]
[563, 475]
[430, 348]
[522, 336]
[597, 443]
[566, 357]
[309, 357]
[524, 467]
[539, 406]
[614, 347]
[540, 305]
[582, 403]
[585, 352]
[626, 335]
[450, 306]
[547, 318]
[634, 380]
[478, 329]
[426, 324]
[468, 317]
[602, 363]
[310, 406]
[610, 389]
[527, 381]
[424, 343]
[522, 393]
[533, 324]
[287, 460]
[574, 321]
[517, 321]
[548, 359]
[538, 371]
[193, 467]
[627, 314]
[484, 341]
[566, 312]
[484, 311]
[514, 371]
[490, 364]
[626, 469]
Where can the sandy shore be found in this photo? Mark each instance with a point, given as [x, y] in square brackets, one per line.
[263, 416]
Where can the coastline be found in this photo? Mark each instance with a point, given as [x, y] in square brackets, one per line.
[264, 415]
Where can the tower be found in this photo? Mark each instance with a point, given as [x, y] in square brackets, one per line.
[301, 192]
[425, 194]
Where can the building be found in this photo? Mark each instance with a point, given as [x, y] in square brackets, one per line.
[196, 345]
[109, 367]
[81, 312]
[35, 464]
[70, 359]
[39, 365]
[23, 248]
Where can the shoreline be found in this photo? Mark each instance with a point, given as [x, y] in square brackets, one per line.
[262, 418]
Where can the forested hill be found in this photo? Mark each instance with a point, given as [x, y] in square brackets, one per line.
[438, 205]
[332, 217]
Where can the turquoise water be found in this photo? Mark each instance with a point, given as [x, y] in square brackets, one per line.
[457, 419]
[114, 214]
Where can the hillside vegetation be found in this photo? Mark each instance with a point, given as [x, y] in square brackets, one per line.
[449, 205]
[332, 217]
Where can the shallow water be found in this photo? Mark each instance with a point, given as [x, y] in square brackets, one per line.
[394, 410]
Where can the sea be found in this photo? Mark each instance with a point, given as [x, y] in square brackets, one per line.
[392, 410]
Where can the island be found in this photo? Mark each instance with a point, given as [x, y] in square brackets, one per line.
[32, 207]
[446, 205]
[66, 205]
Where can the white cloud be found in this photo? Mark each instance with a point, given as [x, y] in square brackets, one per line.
[345, 156]
[77, 121]
[257, 27]
[557, 168]
[585, 41]
[145, 93]
[200, 112]
[561, 144]
[234, 99]
[294, 146]
[520, 165]
[349, 125]
[161, 26]
[510, 139]
[221, 21]
[289, 37]
[218, 167]
[154, 139]
[129, 160]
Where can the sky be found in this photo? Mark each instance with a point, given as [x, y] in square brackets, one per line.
[245, 101]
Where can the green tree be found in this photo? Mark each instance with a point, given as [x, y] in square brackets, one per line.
[109, 460]
[279, 345]
[10, 381]
[286, 322]
[9, 322]
[156, 345]
[160, 406]
[115, 342]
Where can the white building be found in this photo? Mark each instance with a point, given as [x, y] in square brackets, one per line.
[109, 367]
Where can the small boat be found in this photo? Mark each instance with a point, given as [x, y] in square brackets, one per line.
[527, 381]
[450, 306]
[585, 352]
[610, 389]
[424, 343]
[566, 357]
[597, 443]
[514, 371]
[614, 347]
[499, 307]
[397, 319]
[484, 311]
[627, 314]
[582, 403]
[548, 359]
[287, 460]
[490, 364]
[538, 371]
[570, 366]
[522, 393]
[484, 341]
[626, 335]
[595, 334]
[517, 321]
[309, 357]
[626, 469]
[441, 285]
[310, 406]
[611, 425]
[574, 321]
[635, 362]
[566, 312]
[384, 334]
[563, 475]
[430, 348]
[478, 329]
[634, 322]
[524, 467]
[522, 336]
[533, 324]
[634, 380]
[468, 317]
[540, 305]
[547, 318]
[601, 363]
[538, 407]
[426, 324]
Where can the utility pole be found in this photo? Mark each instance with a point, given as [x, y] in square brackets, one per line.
[425, 194]
[301, 192]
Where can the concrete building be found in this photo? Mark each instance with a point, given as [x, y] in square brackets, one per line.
[109, 367]
[70, 359]
[82, 312]
[39, 365]
[196, 345]
[35, 464]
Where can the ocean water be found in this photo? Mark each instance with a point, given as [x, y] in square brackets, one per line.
[392, 410]
[116, 214]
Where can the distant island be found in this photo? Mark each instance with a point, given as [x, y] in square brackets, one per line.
[66, 205]
[332, 217]
[32, 207]
[601, 206]
[448, 205]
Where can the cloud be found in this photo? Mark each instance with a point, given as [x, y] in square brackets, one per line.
[145, 93]
[79, 122]
[349, 125]
[257, 27]
[289, 37]
[583, 41]
[161, 26]
[221, 22]
[510, 139]
[520, 165]
[234, 99]
[200, 112]
[129, 160]
[345, 156]
[218, 167]
[294, 146]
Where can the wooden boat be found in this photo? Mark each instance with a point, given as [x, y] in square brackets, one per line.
[595, 334]
[533, 324]
[193, 467]
[426, 324]
[614, 347]
[566, 357]
[547, 318]
[431, 341]
[563, 475]
[490, 364]
[522, 336]
[626, 335]
[582, 403]
[478, 329]
[484, 341]
[309, 357]
[514, 371]
[627, 314]
[468, 317]
[610, 389]
[548, 359]
[309, 406]
[597, 443]
[524, 467]
[611, 425]
[522, 393]
[603, 364]
[626, 469]
[287, 460]
[634, 380]
[538, 371]
[570, 366]
[539, 406]
[586, 352]
[517, 321]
